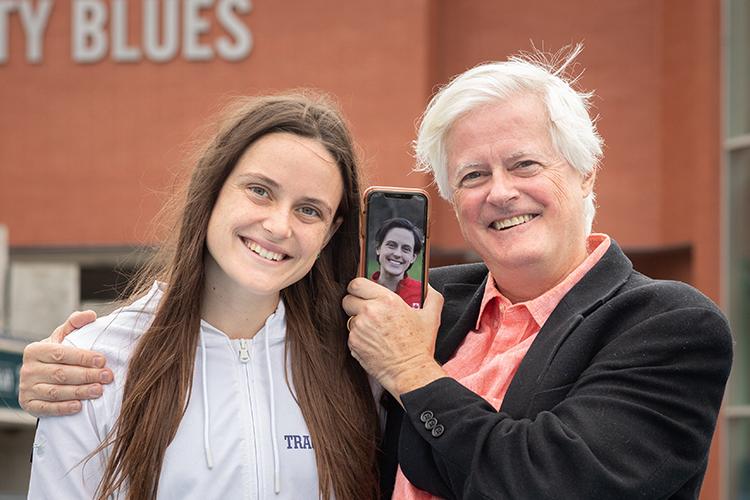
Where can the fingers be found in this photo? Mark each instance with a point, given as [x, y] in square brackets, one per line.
[65, 393]
[350, 305]
[44, 373]
[55, 391]
[361, 291]
[54, 376]
[46, 352]
[366, 289]
[47, 409]
[55, 400]
[76, 320]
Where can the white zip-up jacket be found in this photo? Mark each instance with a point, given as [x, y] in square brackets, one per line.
[242, 436]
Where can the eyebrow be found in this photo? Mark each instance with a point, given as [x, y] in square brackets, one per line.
[259, 177]
[406, 245]
[275, 185]
[509, 159]
[517, 156]
[464, 166]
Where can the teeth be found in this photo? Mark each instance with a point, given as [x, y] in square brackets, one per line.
[513, 221]
[266, 254]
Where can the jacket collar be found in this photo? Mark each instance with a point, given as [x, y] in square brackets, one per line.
[594, 289]
[462, 302]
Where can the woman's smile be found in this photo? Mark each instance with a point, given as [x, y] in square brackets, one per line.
[263, 250]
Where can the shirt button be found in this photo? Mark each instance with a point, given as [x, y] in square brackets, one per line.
[425, 416]
[438, 430]
[431, 423]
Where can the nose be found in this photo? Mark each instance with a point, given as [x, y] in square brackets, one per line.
[503, 187]
[277, 223]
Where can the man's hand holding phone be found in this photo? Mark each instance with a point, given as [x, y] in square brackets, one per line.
[392, 341]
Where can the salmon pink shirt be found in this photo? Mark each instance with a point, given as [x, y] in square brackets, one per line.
[490, 354]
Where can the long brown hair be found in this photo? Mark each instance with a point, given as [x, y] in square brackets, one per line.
[332, 389]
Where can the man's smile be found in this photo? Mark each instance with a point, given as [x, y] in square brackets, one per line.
[512, 221]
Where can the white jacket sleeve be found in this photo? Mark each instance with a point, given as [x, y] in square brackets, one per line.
[59, 467]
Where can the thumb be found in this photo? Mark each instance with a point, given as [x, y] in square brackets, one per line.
[82, 318]
[433, 302]
[75, 320]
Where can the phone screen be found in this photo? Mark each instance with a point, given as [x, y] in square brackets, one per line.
[395, 241]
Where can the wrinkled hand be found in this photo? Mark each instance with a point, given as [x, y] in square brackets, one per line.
[55, 377]
[392, 341]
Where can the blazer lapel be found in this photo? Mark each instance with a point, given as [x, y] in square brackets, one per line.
[461, 302]
[598, 285]
[460, 311]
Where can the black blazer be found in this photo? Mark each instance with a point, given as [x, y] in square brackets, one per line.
[617, 396]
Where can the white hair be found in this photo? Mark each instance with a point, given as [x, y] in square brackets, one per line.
[571, 129]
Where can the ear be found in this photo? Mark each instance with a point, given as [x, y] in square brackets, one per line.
[587, 183]
[332, 230]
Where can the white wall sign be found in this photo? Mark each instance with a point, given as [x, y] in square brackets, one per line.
[99, 29]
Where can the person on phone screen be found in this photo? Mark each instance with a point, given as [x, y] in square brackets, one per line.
[398, 243]
[233, 374]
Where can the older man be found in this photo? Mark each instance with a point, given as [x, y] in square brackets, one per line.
[558, 371]
[550, 370]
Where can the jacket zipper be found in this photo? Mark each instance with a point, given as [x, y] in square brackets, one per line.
[244, 354]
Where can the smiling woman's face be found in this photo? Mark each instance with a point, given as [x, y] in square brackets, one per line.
[396, 252]
[273, 216]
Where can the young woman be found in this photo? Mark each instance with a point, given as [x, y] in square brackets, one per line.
[232, 373]
[397, 245]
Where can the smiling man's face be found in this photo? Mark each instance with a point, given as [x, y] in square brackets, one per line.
[518, 201]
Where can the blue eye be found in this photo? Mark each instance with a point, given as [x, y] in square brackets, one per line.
[258, 191]
[310, 212]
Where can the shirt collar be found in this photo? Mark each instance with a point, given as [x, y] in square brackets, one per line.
[541, 307]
